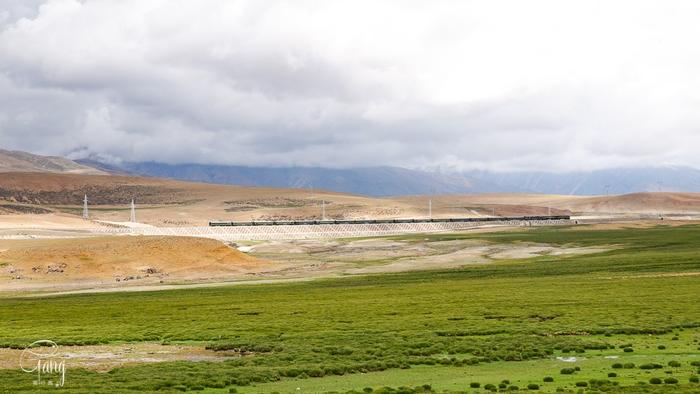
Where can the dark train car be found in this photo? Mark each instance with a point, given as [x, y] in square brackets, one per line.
[225, 223]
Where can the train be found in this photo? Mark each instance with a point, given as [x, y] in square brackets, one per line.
[224, 223]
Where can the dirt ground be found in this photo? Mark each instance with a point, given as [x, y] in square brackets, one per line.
[381, 255]
[109, 261]
[51, 221]
[116, 263]
[106, 357]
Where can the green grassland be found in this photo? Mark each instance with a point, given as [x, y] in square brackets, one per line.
[508, 320]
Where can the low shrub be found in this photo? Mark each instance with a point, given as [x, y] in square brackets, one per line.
[513, 388]
[674, 364]
[655, 381]
[628, 365]
[694, 379]
[661, 347]
[628, 350]
[490, 387]
[617, 365]
[567, 371]
[612, 375]
[671, 380]
[475, 385]
[581, 384]
[533, 386]
[548, 379]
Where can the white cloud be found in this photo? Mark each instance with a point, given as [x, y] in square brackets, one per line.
[458, 84]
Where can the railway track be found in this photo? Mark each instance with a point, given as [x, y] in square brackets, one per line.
[334, 229]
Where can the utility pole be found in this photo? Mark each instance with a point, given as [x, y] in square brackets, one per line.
[133, 212]
[430, 208]
[323, 209]
[85, 208]
[311, 198]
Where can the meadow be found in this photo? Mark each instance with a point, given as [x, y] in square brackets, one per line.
[624, 320]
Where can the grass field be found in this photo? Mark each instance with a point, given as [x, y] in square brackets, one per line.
[637, 303]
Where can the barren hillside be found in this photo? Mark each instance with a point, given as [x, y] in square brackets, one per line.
[648, 203]
[168, 202]
[22, 161]
[164, 202]
[121, 260]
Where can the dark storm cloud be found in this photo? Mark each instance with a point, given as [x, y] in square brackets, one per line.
[446, 84]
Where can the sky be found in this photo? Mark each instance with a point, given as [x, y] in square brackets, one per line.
[450, 85]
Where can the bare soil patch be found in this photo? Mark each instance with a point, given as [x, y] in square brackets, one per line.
[107, 357]
[117, 263]
[381, 255]
[121, 260]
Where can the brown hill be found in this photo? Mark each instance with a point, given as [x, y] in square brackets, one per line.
[165, 202]
[11, 161]
[121, 259]
[68, 189]
[645, 203]
[168, 202]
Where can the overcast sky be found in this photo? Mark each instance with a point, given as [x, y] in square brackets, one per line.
[548, 85]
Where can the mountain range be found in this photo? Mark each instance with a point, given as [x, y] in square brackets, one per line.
[380, 181]
[389, 181]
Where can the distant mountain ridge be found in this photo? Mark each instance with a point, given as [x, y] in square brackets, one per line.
[599, 182]
[392, 181]
[380, 181]
[16, 161]
[371, 181]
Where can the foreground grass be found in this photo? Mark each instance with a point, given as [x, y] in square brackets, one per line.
[448, 328]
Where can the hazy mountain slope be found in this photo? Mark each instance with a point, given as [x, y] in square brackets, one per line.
[12, 161]
[107, 168]
[388, 181]
[601, 182]
[373, 181]
[381, 181]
